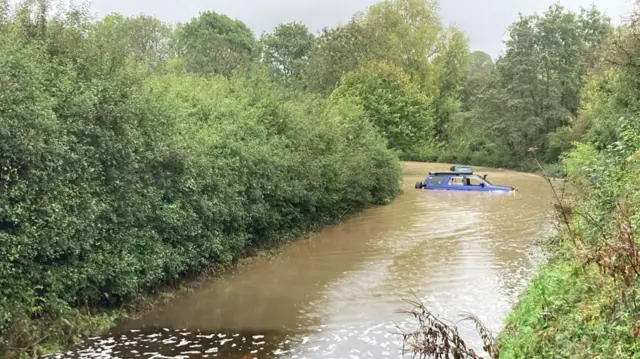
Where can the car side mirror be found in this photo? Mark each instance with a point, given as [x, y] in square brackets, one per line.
[482, 184]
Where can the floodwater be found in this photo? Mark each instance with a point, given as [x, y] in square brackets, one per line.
[337, 294]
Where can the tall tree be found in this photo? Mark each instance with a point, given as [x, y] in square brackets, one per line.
[144, 38]
[450, 72]
[214, 43]
[409, 33]
[613, 92]
[542, 74]
[406, 33]
[338, 50]
[286, 50]
[478, 77]
[396, 106]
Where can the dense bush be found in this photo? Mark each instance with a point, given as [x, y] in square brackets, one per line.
[114, 179]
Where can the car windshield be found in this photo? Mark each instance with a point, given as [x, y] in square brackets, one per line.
[436, 180]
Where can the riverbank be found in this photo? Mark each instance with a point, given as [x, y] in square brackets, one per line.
[572, 311]
[584, 302]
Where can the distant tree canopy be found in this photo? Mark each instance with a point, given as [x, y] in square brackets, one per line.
[215, 44]
[532, 94]
[286, 50]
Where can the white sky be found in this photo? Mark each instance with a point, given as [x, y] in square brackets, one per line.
[485, 21]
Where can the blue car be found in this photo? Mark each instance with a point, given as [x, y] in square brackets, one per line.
[460, 181]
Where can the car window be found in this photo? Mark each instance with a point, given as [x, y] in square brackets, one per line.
[475, 181]
[456, 181]
[436, 180]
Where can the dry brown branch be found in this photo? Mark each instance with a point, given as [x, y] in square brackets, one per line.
[619, 257]
[489, 344]
[439, 340]
[562, 210]
[633, 157]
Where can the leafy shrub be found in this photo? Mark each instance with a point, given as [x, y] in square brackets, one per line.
[114, 180]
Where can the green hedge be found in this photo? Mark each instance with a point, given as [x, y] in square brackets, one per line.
[114, 180]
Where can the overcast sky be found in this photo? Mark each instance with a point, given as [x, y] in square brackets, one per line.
[485, 21]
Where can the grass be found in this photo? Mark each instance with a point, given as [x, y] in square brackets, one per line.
[570, 311]
[584, 302]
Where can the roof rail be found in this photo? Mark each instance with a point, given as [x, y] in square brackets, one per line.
[450, 173]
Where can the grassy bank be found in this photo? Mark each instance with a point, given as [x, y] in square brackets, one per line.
[584, 302]
[118, 178]
[571, 312]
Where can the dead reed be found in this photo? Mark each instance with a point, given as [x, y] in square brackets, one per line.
[434, 338]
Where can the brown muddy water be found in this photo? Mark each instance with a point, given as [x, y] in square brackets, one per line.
[336, 295]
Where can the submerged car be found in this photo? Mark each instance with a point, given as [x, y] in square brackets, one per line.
[460, 180]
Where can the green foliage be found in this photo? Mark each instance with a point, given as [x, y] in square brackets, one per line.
[215, 44]
[584, 303]
[392, 103]
[133, 153]
[400, 32]
[531, 97]
[565, 314]
[338, 51]
[407, 33]
[144, 38]
[477, 80]
[580, 306]
[115, 179]
[286, 50]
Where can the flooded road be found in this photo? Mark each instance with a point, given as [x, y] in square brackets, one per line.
[336, 295]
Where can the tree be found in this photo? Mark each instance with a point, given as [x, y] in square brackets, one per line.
[409, 34]
[612, 92]
[405, 33]
[450, 71]
[215, 44]
[286, 50]
[481, 67]
[397, 107]
[338, 50]
[541, 76]
[144, 38]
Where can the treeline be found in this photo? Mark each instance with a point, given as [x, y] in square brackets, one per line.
[416, 79]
